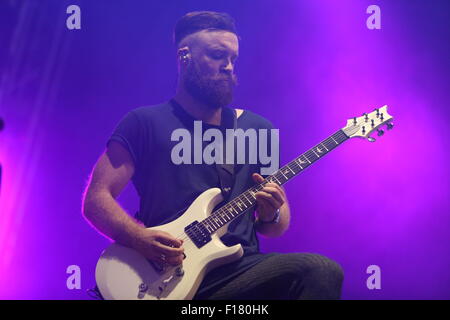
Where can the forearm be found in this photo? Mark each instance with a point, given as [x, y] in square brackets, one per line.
[109, 218]
[275, 230]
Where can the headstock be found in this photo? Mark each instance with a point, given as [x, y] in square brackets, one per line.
[363, 126]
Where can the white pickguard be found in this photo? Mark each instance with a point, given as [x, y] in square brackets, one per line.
[121, 271]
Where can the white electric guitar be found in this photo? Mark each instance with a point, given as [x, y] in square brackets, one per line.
[123, 273]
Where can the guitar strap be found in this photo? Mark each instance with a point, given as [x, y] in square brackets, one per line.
[226, 171]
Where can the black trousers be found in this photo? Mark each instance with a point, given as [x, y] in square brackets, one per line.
[290, 276]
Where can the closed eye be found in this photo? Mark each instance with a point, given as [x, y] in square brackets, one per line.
[218, 54]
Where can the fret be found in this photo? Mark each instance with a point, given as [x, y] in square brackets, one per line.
[315, 154]
[334, 141]
[281, 171]
[208, 223]
[324, 147]
[234, 209]
[293, 170]
[304, 156]
[311, 157]
[293, 173]
[226, 212]
[276, 177]
[221, 217]
[230, 210]
[259, 187]
[214, 221]
[208, 226]
[285, 176]
[245, 198]
[298, 161]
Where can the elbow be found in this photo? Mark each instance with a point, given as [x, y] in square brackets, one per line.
[85, 208]
[87, 205]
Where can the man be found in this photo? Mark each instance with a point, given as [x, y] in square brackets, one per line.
[140, 150]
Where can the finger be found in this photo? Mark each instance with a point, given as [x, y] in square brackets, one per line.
[270, 206]
[275, 193]
[274, 185]
[164, 259]
[264, 196]
[257, 178]
[168, 240]
[168, 251]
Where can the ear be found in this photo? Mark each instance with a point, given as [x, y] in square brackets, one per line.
[184, 53]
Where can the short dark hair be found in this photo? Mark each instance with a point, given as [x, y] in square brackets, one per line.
[202, 20]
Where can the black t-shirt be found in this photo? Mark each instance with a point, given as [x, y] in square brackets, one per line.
[166, 189]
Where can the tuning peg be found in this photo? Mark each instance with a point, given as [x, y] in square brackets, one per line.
[371, 139]
[380, 132]
[390, 125]
[378, 112]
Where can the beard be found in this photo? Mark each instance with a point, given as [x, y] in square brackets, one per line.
[214, 91]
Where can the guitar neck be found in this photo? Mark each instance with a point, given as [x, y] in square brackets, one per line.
[247, 200]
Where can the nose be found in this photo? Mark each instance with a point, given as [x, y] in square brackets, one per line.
[229, 67]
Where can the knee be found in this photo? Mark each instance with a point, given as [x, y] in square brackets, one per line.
[320, 268]
[326, 270]
[322, 278]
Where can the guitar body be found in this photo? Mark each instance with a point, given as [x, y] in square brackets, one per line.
[123, 273]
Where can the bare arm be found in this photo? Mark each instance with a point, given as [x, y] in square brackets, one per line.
[111, 174]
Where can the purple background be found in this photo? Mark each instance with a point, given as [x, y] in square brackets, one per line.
[306, 65]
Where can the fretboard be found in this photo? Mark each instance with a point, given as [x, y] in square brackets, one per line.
[247, 200]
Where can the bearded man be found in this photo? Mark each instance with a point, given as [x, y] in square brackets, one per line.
[207, 47]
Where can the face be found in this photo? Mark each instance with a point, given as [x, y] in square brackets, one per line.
[209, 76]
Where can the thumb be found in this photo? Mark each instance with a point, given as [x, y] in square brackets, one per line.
[257, 178]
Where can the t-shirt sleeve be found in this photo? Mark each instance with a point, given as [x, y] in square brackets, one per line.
[130, 133]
